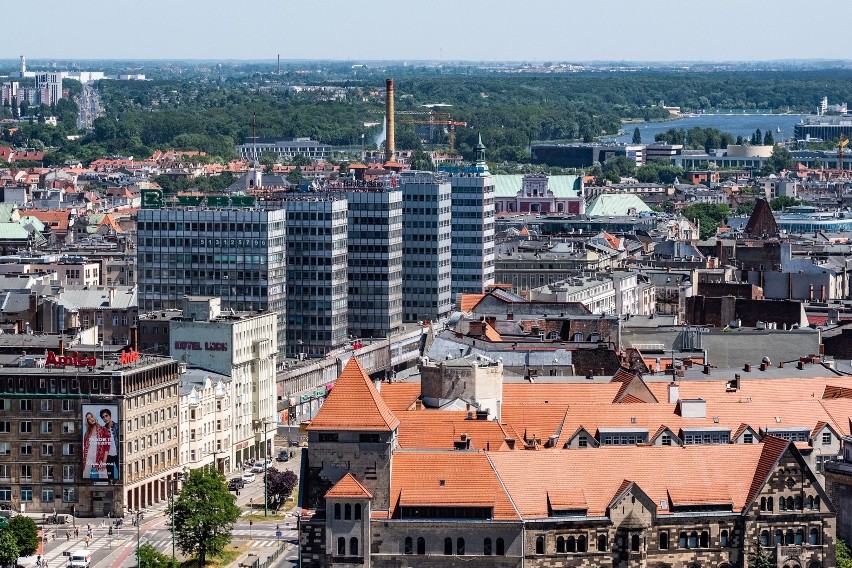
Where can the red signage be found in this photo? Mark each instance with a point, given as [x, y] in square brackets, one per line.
[72, 360]
[128, 357]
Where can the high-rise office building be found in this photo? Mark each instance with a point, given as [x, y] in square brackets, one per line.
[49, 85]
[375, 258]
[316, 273]
[427, 244]
[236, 253]
[473, 226]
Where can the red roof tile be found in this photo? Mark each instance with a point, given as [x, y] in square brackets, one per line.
[354, 404]
[348, 488]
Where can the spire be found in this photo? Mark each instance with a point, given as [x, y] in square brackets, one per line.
[480, 151]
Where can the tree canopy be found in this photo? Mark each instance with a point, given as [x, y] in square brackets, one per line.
[9, 550]
[25, 533]
[150, 557]
[280, 484]
[202, 516]
[709, 216]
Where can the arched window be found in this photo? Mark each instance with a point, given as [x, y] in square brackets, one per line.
[799, 539]
[809, 502]
[693, 539]
[357, 511]
[347, 511]
[664, 541]
[337, 510]
[581, 543]
[601, 542]
[681, 540]
[816, 503]
[813, 537]
[789, 503]
[788, 538]
[634, 543]
[779, 537]
[798, 503]
[782, 505]
[501, 547]
[353, 546]
[448, 546]
[723, 539]
[341, 546]
[571, 544]
[486, 547]
[409, 545]
[769, 503]
[460, 546]
[705, 539]
[539, 545]
[764, 538]
[763, 503]
[560, 544]
[814, 564]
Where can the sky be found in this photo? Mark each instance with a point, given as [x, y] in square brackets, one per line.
[449, 30]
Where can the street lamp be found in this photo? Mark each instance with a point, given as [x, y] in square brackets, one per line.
[138, 536]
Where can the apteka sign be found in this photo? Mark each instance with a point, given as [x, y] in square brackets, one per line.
[72, 360]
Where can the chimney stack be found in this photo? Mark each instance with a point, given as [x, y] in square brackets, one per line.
[390, 140]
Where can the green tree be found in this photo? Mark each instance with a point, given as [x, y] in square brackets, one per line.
[420, 160]
[745, 208]
[739, 140]
[758, 558]
[768, 139]
[25, 532]
[781, 159]
[203, 515]
[302, 161]
[708, 216]
[779, 203]
[842, 555]
[620, 166]
[150, 557]
[817, 164]
[295, 177]
[9, 551]
[637, 136]
[268, 159]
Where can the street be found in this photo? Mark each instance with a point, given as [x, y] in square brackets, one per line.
[118, 550]
[89, 103]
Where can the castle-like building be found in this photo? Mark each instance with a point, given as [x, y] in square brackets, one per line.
[389, 483]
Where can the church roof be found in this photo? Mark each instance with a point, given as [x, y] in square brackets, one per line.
[348, 488]
[762, 221]
[354, 404]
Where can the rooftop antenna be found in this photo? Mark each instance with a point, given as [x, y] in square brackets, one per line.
[279, 64]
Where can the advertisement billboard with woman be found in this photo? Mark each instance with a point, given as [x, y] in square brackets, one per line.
[101, 442]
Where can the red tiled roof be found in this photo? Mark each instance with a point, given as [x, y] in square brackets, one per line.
[354, 404]
[400, 396]
[348, 488]
[772, 449]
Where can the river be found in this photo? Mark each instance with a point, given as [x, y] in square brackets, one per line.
[736, 124]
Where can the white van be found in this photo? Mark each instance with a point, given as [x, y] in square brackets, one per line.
[80, 558]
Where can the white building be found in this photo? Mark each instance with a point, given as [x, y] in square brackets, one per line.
[205, 419]
[243, 347]
[595, 292]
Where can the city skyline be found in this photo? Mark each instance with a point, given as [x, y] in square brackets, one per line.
[443, 31]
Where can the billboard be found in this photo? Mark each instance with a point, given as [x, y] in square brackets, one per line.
[101, 444]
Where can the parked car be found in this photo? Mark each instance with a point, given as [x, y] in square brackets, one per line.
[248, 477]
[283, 455]
[259, 466]
[236, 483]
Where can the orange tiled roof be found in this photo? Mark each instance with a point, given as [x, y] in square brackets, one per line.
[400, 396]
[454, 479]
[56, 220]
[772, 449]
[348, 488]
[751, 386]
[491, 334]
[354, 404]
[439, 429]
[468, 301]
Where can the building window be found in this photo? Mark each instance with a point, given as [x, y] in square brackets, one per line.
[341, 546]
[421, 545]
[664, 541]
[347, 511]
[748, 439]
[486, 547]
[26, 427]
[66, 406]
[797, 504]
[46, 427]
[46, 494]
[26, 449]
[68, 427]
[790, 503]
[723, 539]
[67, 473]
[539, 545]
[47, 449]
[789, 537]
[560, 544]
[666, 440]
[47, 473]
[69, 495]
[705, 539]
[26, 493]
[601, 542]
[357, 511]
[408, 547]
[571, 544]
[581, 543]
[460, 546]
[26, 405]
[826, 438]
[5, 493]
[813, 536]
[764, 538]
[770, 503]
[501, 547]
[67, 449]
[681, 541]
[337, 511]
[448, 546]
[353, 546]
[635, 543]
[5, 426]
[47, 405]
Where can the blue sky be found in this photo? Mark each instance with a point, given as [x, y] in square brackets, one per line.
[519, 30]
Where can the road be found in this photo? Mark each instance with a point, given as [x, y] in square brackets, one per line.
[119, 549]
[89, 103]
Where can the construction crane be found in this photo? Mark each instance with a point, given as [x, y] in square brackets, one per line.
[841, 144]
[439, 119]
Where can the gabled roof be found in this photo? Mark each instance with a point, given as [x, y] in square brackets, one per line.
[354, 404]
[772, 450]
[348, 488]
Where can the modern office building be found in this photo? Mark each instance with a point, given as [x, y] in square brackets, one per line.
[240, 346]
[374, 258]
[316, 273]
[427, 245]
[50, 87]
[236, 253]
[283, 148]
[472, 226]
[88, 437]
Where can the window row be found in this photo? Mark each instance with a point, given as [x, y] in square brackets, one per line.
[341, 546]
[347, 511]
[26, 405]
[810, 503]
[796, 537]
[48, 494]
[569, 544]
